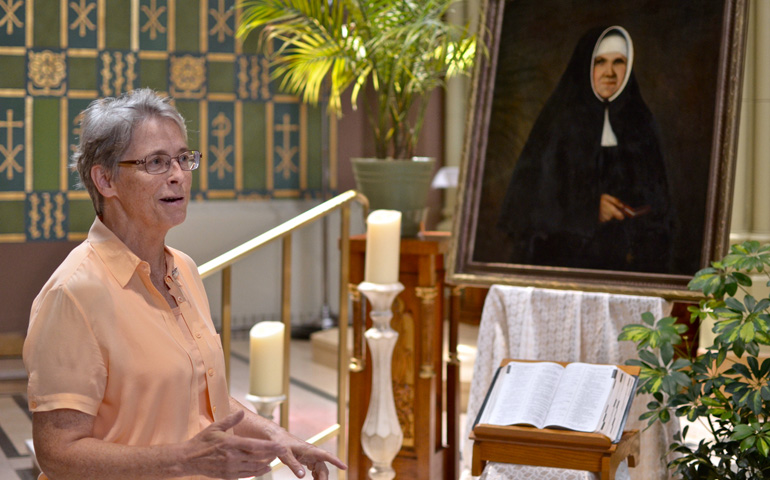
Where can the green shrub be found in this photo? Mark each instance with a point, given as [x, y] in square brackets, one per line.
[727, 387]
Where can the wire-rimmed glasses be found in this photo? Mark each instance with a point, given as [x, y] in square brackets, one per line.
[158, 163]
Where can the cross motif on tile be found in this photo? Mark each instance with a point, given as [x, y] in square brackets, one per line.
[10, 19]
[153, 24]
[221, 15]
[10, 165]
[222, 126]
[286, 151]
[82, 22]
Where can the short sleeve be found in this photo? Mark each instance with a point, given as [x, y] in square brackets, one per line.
[63, 359]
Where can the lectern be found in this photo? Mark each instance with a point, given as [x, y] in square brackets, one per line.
[554, 448]
[417, 370]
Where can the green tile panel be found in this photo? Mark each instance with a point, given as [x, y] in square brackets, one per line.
[79, 50]
[221, 77]
[118, 25]
[46, 23]
[81, 215]
[254, 158]
[13, 68]
[82, 73]
[188, 26]
[45, 144]
[12, 216]
[154, 73]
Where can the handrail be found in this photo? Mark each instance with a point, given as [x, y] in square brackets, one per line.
[228, 258]
[223, 263]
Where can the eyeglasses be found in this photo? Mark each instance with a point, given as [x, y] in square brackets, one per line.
[158, 163]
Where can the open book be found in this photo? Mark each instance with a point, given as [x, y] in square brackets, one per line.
[580, 396]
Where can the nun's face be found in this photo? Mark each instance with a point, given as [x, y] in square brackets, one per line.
[609, 72]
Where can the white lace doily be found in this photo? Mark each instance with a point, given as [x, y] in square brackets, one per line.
[565, 326]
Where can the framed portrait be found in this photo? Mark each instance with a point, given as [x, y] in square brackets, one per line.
[600, 145]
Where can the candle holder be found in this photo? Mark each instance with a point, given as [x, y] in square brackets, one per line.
[381, 435]
[265, 407]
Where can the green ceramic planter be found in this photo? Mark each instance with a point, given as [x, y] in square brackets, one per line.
[396, 185]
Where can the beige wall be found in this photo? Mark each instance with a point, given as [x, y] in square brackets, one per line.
[751, 200]
[750, 218]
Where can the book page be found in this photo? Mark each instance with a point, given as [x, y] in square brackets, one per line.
[524, 394]
[616, 411]
[490, 399]
[581, 398]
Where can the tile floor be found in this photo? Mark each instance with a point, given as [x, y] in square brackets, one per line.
[15, 422]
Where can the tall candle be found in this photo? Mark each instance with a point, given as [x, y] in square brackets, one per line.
[266, 359]
[383, 242]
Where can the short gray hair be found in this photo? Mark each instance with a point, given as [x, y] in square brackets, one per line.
[106, 127]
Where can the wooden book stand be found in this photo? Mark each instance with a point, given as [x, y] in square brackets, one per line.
[546, 447]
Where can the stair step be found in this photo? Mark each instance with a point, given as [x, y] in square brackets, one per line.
[323, 345]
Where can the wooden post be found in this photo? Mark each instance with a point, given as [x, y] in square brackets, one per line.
[417, 373]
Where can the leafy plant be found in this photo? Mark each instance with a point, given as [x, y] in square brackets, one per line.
[403, 49]
[727, 387]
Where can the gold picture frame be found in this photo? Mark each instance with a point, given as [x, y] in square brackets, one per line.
[687, 65]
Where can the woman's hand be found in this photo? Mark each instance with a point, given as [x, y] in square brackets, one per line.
[216, 453]
[66, 449]
[296, 452]
[299, 453]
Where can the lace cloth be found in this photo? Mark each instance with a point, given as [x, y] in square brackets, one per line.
[565, 326]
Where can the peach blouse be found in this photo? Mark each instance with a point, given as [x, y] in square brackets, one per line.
[102, 340]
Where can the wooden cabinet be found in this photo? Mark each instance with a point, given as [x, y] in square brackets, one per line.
[418, 367]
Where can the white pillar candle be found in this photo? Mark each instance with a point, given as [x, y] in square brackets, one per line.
[383, 243]
[266, 359]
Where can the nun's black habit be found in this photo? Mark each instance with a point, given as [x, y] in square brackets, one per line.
[551, 208]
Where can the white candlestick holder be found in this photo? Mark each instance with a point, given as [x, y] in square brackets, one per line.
[381, 434]
[265, 407]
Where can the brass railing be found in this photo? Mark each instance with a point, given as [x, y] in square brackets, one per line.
[224, 263]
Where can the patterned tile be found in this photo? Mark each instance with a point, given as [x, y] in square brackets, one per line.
[258, 143]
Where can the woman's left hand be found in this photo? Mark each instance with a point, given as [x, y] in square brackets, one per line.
[302, 453]
[298, 452]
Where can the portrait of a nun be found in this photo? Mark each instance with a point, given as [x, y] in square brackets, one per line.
[589, 189]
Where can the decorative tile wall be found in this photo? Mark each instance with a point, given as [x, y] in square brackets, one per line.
[56, 56]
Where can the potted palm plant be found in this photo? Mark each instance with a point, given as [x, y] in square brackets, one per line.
[397, 50]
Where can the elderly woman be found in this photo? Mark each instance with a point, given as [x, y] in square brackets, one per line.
[126, 371]
[589, 189]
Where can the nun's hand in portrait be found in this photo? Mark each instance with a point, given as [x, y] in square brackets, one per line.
[610, 208]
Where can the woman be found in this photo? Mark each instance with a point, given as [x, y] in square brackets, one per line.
[589, 189]
[126, 372]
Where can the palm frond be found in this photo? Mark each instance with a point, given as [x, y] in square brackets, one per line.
[402, 48]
